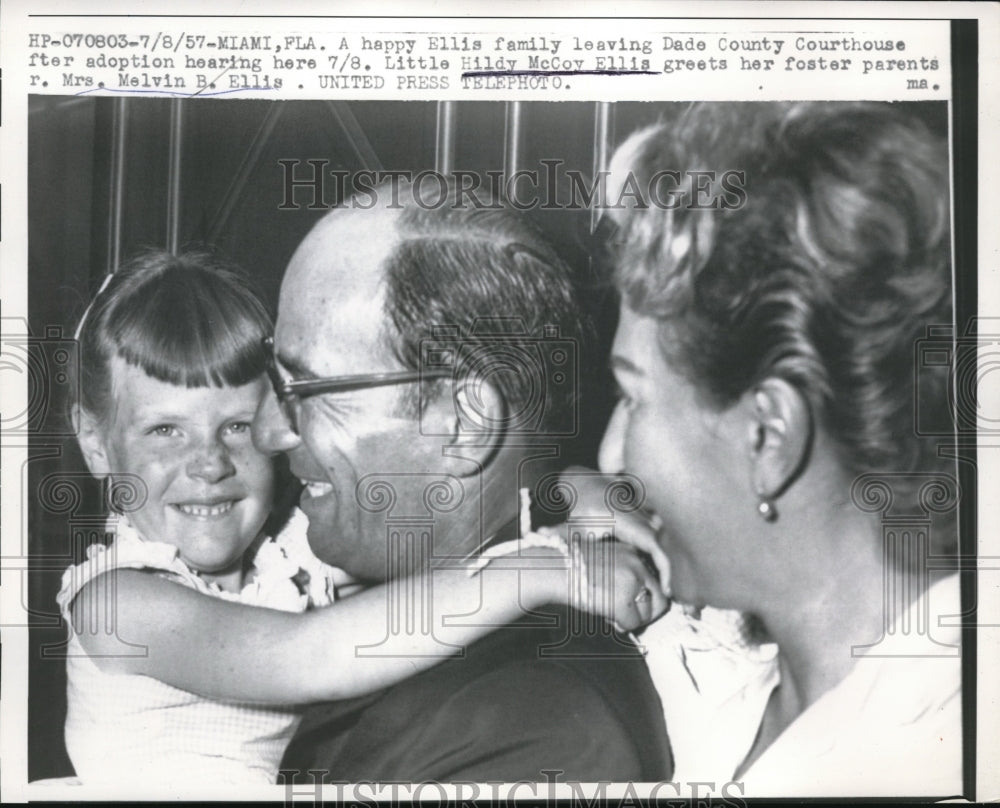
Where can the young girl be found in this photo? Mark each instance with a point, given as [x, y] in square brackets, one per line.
[167, 683]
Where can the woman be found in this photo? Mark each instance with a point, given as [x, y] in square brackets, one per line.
[765, 355]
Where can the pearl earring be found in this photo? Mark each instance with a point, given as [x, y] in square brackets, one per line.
[767, 510]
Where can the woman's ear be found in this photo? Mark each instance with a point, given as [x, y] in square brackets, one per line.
[469, 417]
[90, 435]
[780, 435]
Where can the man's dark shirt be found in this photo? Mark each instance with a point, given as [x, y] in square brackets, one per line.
[513, 708]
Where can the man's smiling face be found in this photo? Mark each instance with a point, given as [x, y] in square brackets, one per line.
[330, 323]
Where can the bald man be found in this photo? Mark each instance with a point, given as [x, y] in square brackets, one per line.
[446, 339]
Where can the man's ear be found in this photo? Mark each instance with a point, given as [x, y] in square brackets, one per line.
[90, 435]
[780, 435]
[469, 416]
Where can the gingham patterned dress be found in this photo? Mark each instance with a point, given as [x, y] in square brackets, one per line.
[132, 728]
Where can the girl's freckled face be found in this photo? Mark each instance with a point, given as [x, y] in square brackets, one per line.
[203, 487]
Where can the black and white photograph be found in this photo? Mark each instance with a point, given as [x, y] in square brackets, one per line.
[424, 444]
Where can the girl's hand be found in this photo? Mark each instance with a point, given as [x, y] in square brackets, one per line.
[632, 526]
[619, 585]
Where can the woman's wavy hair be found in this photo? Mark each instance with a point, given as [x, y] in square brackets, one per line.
[189, 319]
[826, 276]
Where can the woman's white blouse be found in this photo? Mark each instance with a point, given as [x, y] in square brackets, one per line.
[891, 727]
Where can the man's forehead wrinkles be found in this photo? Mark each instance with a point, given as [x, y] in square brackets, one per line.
[330, 321]
[344, 274]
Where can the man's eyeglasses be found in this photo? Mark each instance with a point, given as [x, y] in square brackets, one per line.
[291, 392]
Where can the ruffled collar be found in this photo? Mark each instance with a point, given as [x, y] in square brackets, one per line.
[283, 573]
